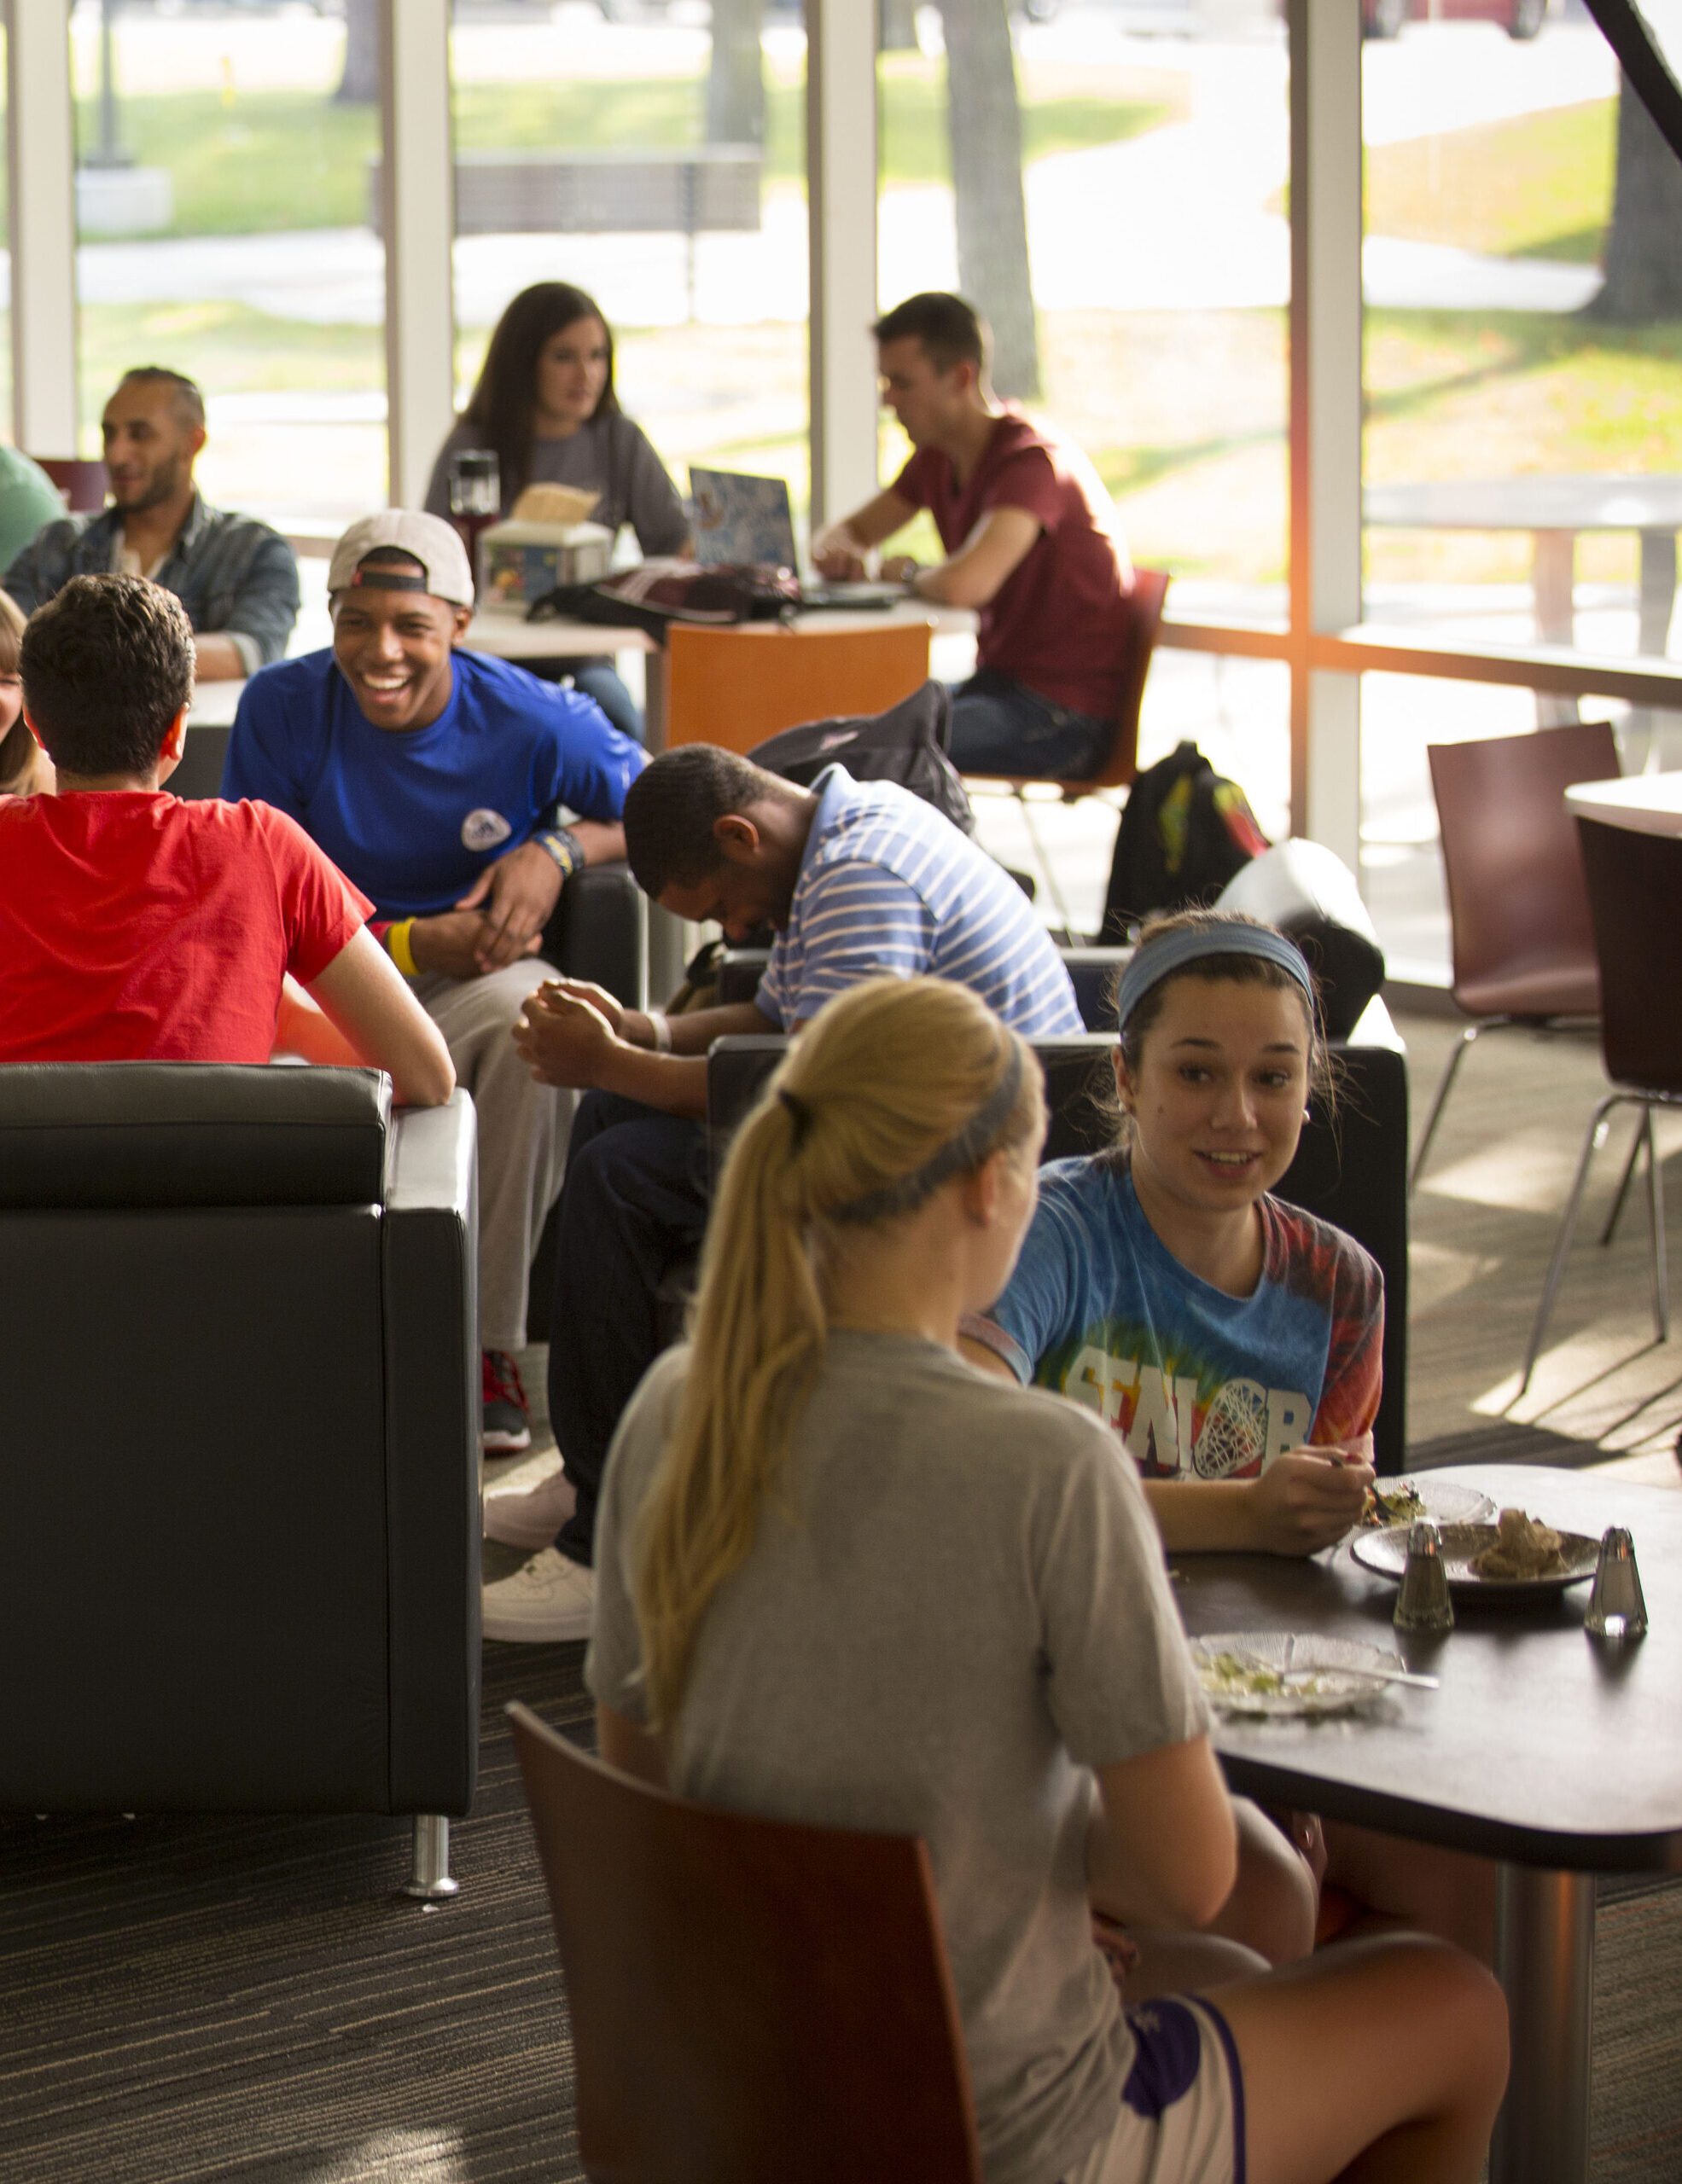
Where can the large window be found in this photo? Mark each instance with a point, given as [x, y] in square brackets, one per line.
[1523, 289]
[654, 155]
[1522, 272]
[223, 230]
[1116, 205]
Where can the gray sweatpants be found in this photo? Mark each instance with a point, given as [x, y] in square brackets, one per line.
[523, 1128]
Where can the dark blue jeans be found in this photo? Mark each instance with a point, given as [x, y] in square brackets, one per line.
[1002, 727]
[633, 1204]
[599, 679]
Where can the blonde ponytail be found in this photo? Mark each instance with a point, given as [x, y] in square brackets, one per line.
[858, 1126]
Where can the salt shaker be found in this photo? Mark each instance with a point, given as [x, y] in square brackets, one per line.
[1422, 1603]
[1616, 1608]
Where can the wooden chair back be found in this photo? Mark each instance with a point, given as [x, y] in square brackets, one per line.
[736, 687]
[83, 484]
[751, 1999]
[1141, 611]
[1517, 903]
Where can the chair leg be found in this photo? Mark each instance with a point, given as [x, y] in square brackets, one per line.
[430, 1879]
[1656, 1222]
[1457, 1054]
[1595, 1137]
[1044, 864]
[1643, 1136]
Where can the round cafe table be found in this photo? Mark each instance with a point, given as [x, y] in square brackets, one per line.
[1651, 804]
[1556, 1755]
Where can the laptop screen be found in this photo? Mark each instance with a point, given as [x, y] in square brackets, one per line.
[739, 518]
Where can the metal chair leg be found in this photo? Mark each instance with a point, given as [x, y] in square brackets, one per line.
[430, 1879]
[1595, 1138]
[1656, 1222]
[1457, 1054]
[1641, 1137]
[1045, 865]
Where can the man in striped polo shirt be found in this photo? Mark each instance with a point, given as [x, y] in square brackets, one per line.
[857, 879]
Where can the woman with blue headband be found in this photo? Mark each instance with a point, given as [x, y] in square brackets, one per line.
[842, 1579]
[1233, 1341]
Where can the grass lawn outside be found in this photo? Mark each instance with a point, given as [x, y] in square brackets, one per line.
[266, 162]
[1537, 186]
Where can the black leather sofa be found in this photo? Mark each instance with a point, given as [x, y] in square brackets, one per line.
[239, 1484]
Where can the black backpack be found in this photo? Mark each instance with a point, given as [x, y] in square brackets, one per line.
[1186, 831]
[907, 743]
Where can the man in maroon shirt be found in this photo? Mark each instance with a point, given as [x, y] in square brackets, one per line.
[1031, 542]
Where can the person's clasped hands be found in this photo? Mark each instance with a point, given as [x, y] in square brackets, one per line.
[565, 1030]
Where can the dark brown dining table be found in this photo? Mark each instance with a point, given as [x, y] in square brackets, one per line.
[1555, 1754]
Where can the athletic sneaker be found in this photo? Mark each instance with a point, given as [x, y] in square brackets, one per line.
[507, 1424]
[546, 1600]
[530, 1517]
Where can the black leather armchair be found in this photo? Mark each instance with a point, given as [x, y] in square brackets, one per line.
[239, 1501]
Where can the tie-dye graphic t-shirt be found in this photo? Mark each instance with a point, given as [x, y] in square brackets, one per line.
[1198, 1384]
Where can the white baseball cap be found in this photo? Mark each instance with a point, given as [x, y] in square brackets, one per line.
[428, 539]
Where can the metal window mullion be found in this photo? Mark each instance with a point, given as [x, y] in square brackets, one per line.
[1325, 413]
[417, 184]
[42, 162]
[842, 214]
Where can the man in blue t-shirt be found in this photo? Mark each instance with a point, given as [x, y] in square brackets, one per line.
[442, 782]
[857, 879]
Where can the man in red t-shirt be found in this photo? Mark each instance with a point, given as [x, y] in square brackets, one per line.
[134, 926]
[1031, 539]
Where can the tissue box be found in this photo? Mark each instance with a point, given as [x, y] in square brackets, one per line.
[518, 562]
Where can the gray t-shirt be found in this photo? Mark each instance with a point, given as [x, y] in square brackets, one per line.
[608, 455]
[955, 1607]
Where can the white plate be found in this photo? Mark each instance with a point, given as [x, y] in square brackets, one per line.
[1446, 1503]
[1385, 1551]
[1242, 1688]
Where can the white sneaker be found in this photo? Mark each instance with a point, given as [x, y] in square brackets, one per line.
[530, 1517]
[546, 1600]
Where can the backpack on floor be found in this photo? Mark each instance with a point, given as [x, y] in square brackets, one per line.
[1184, 832]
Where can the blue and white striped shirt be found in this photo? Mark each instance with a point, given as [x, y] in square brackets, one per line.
[887, 884]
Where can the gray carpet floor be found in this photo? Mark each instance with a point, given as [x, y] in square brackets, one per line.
[244, 1998]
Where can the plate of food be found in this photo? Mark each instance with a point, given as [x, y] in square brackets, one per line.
[1402, 1501]
[1515, 1556]
[1284, 1673]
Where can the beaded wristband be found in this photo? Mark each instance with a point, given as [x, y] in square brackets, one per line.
[565, 848]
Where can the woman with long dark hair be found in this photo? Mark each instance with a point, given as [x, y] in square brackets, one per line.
[544, 405]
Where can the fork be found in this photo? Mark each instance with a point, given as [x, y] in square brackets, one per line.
[1285, 1671]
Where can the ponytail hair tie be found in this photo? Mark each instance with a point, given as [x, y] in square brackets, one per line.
[799, 1114]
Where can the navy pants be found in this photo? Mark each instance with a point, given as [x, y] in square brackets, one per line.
[1002, 727]
[634, 1204]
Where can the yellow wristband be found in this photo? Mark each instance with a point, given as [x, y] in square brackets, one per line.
[398, 948]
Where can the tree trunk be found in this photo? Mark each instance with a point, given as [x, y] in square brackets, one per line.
[735, 83]
[896, 21]
[1643, 248]
[985, 123]
[359, 84]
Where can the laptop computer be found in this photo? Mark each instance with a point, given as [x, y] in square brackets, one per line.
[737, 517]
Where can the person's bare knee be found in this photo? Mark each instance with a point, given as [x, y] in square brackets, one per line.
[1448, 1893]
[1275, 1899]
